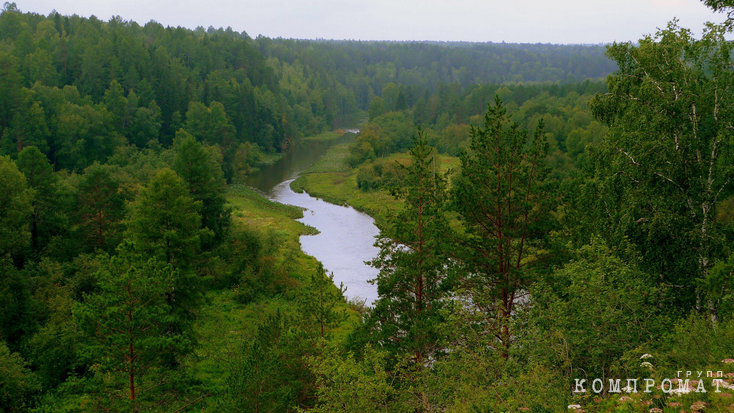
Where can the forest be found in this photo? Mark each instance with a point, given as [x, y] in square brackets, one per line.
[555, 222]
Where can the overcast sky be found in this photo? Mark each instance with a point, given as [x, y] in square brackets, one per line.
[517, 21]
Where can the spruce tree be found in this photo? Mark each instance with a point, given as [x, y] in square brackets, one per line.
[203, 175]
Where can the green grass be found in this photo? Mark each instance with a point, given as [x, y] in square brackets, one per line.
[247, 201]
[332, 180]
[355, 119]
[224, 324]
[335, 160]
[340, 188]
[324, 136]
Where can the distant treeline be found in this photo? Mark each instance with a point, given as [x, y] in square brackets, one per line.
[79, 88]
[365, 67]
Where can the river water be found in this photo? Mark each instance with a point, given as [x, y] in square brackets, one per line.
[346, 235]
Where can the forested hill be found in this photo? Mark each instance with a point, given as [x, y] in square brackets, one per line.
[78, 88]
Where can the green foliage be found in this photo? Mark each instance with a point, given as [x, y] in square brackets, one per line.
[477, 379]
[17, 383]
[269, 373]
[242, 252]
[665, 162]
[261, 274]
[503, 202]
[377, 107]
[84, 134]
[10, 83]
[53, 350]
[448, 114]
[203, 175]
[165, 222]
[600, 309]
[413, 282]
[127, 326]
[387, 133]
[318, 306]
[347, 384]
[16, 305]
[100, 207]
[28, 128]
[718, 287]
[696, 341]
[380, 174]
[15, 208]
[48, 217]
[145, 125]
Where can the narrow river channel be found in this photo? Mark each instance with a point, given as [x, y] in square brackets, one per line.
[346, 235]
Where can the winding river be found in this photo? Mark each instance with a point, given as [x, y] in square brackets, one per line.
[346, 235]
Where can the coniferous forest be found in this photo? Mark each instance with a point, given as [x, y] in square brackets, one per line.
[556, 222]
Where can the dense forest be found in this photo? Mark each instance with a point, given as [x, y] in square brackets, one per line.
[559, 217]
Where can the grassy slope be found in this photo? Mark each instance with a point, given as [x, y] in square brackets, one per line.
[332, 180]
[225, 324]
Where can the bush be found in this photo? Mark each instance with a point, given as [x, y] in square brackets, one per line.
[380, 174]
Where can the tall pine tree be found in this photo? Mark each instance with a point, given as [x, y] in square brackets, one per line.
[502, 202]
[413, 280]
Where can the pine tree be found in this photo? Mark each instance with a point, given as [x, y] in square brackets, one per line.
[127, 321]
[28, 128]
[503, 205]
[47, 215]
[318, 305]
[413, 280]
[100, 207]
[165, 224]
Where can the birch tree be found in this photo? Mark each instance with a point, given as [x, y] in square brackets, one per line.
[664, 166]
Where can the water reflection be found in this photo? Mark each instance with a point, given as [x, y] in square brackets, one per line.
[344, 243]
[347, 235]
[298, 159]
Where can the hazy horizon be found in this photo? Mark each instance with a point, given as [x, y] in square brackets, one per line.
[570, 22]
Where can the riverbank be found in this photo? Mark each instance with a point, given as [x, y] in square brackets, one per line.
[349, 125]
[230, 317]
[264, 159]
[334, 180]
[345, 241]
[325, 136]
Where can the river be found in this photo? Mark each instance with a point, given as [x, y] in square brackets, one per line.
[346, 235]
